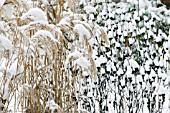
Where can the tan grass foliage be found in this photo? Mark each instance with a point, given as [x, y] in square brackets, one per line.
[38, 63]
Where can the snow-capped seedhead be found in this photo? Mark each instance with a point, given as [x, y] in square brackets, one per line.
[45, 2]
[5, 44]
[53, 106]
[83, 62]
[35, 14]
[75, 54]
[90, 9]
[2, 26]
[44, 34]
[81, 31]
[2, 3]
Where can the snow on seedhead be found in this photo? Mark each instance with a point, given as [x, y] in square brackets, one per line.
[75, 54]
[45, 2]
[8, 11]
[34, 23]
[5, 43]
[44, 34]
[2, 3]
[39, 22]
[64, 21]
[1, 76]
[35, 14]
[67, 13]
[90, 9]
[13, 69]
[82, 32]
[6, 91]
[2, 26]
[52, 106]
[80, 60]
[83, 62]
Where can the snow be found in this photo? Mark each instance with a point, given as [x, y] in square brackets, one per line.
[8, 11]
[45, 2]
[131, 40]
[82, 32]
[75, 54]
[83, 62]
[114, 68]
[80, 59]
[1, 75]
[82, 110]
[142, 3]
[120, 71]
[34, 23]
[2, 26]
[63, 22]
[35, 14]
[52, 106]
[117, 45]
[145, 108]
[44, 34]
[13, 68]
[5, 43]
[139, 78]
[89, 9]
[133, 64]
[6, 91]
[2, 3]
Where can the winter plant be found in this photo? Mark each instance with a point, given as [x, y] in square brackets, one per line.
[86, 56]
[43, 46]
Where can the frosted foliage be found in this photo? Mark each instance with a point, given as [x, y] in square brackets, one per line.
[142, 3]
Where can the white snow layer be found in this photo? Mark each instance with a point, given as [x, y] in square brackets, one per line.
[52, 105]
[82, 32]
[89, 9]
[2, 3]
[2, 26]
[83, 62]
[79, 59]
[142, 3]
[5, 43]
[44, 34]
[35, 14]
